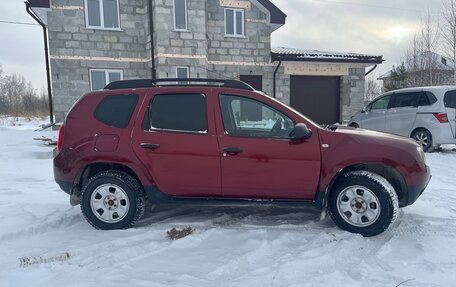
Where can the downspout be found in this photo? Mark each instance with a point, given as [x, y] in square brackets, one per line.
[46, 53]
[151, 32]
[371, 70]
[274, 78]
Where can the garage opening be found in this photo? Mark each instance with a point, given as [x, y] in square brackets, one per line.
[318, 98]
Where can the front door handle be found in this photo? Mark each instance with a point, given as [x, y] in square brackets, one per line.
[151, 146]
[231, 151]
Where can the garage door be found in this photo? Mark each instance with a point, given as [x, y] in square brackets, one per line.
[318, 98]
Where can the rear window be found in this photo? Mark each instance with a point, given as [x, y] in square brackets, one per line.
[179, 112]
[450, 99]
[116, 110]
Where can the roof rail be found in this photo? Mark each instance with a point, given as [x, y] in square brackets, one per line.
[145, 83]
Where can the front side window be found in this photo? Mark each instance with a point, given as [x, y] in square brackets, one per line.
[245, 117]
[380, 104]
[102, 14]
[234, 22]
[406, 100]
[179, 113]
[99, 78]
[180, 15]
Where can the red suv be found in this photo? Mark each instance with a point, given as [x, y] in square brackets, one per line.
[198, 141]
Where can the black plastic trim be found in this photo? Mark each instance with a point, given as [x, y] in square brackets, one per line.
[154, 195]
[65, 186]
[147, 83]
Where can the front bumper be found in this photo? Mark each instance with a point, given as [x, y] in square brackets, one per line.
[415, 191]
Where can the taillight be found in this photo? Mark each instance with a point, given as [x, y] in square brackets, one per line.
[60, 139]
[441, 117]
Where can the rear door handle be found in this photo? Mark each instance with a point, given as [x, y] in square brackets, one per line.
[151, 146]
[231, 151]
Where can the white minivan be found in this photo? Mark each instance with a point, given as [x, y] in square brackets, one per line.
[426, 114]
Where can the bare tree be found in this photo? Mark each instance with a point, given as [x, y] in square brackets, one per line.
[373, 88]
[448, 31]
[421, 57]
[430, 37]
[19, 98]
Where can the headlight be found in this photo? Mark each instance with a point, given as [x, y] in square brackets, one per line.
[421, 153]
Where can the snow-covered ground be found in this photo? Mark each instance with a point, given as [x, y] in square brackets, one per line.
[230, 246]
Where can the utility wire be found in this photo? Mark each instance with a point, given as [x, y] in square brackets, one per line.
[18, 23]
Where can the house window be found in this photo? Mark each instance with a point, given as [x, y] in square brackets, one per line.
[102, 14]
[99, 78]
[182, 72]
[234, 22]
[180, 15]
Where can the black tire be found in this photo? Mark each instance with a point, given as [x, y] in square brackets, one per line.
[353, 125]
[113, 182]
[424, 137]
[362, 184]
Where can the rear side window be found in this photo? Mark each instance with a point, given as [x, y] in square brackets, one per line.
[179, 112]
[450, 99]
[427, 99]
[116, 110]
[406, 100]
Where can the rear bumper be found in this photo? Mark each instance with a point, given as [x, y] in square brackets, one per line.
[415, 191]
[65, 186]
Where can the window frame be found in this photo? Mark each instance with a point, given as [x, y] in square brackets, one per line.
[106, 71]
[102, 22]
[153, 129]
[235, 23]
[186, 17]
[225, 133]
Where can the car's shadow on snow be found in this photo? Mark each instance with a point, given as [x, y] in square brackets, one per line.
[262, 216]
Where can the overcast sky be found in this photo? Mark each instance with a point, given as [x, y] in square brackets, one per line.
[379, 27]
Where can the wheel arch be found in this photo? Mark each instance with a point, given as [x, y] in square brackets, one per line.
[389, 173]
[417, 129]
[90, 170]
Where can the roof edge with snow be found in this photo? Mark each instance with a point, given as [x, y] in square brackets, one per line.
[300, 55]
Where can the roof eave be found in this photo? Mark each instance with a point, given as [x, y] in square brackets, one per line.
[287, 58]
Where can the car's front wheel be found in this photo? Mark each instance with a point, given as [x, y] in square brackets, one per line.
[363, 202]
[112, 200]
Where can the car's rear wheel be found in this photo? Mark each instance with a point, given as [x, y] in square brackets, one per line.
[353, 125]
[424, 138]
[112, 200]
[363, 202]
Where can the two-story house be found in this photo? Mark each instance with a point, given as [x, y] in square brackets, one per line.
[94, 42]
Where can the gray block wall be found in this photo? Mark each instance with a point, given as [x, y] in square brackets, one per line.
[352, 93]
[69, 38]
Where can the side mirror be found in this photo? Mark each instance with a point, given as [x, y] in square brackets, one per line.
[363, 110]
[300, 132]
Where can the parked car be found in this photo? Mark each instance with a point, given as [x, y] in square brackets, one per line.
[141, 142]
[426, 114]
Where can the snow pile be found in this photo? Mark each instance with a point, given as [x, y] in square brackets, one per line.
[227, 246]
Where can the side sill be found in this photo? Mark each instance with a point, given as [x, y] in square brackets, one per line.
[155, 196]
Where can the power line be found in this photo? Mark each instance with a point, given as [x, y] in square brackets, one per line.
[18, 23]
